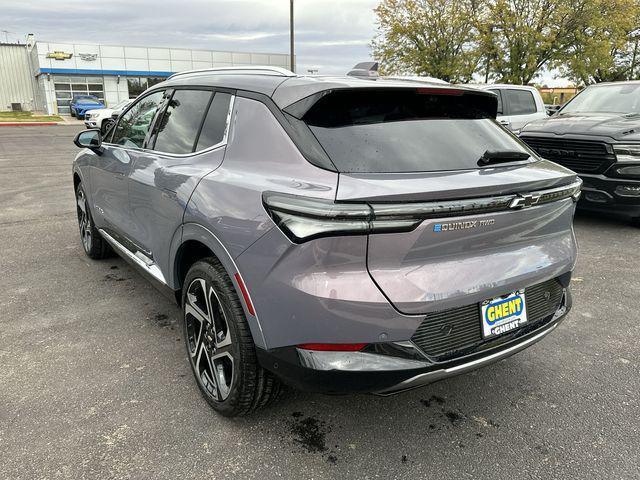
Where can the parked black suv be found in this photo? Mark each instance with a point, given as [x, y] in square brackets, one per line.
[597, 134]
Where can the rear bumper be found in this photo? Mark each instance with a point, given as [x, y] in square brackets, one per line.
[599, 195]
[386, 373]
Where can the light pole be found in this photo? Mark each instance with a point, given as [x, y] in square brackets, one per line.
[292, 51]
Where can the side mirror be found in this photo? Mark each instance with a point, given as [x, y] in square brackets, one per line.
[90, 138]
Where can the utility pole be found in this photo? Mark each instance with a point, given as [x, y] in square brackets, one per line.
[292, 50]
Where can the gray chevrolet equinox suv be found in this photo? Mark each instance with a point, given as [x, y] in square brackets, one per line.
[331, 233]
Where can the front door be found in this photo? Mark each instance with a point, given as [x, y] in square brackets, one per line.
[110, 180]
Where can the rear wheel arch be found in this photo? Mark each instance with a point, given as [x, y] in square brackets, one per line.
[189, 253]
[197, 243]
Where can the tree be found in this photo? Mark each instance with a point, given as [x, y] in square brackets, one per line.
[608, 48]
[521, 37]
[436, 38]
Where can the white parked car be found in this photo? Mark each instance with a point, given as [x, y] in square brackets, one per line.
[517, 104]
[103, 118]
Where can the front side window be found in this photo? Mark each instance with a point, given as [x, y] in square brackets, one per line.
[521, 102]
[180, 124]
[133, 126]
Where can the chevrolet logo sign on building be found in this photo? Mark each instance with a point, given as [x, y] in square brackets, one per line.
[59, 55]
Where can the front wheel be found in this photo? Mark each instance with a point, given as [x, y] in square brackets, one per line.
[219, 343]
[94, 245]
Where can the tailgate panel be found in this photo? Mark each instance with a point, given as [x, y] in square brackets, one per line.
[436, 267]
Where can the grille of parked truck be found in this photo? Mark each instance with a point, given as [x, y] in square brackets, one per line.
[597, 134]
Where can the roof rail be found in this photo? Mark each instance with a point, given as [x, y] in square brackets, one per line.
[251, 69]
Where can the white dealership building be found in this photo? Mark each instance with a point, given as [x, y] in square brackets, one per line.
[44, 76]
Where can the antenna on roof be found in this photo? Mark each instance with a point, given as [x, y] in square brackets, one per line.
[368, 70]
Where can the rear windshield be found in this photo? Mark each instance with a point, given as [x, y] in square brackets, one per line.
[407, 131]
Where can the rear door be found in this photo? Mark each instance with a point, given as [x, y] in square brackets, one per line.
[188, 142]
[474, 231]
[521, 107]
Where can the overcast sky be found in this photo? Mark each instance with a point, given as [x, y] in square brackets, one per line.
[331, 35]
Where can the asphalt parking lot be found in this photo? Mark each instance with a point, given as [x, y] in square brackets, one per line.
[94, 381]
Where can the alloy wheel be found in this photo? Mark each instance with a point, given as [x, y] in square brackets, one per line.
[209, 339]
[84, 220]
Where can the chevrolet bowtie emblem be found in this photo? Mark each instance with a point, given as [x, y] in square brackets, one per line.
[524, 200]
[57, 55]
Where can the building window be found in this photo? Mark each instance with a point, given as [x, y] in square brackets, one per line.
[137, 85]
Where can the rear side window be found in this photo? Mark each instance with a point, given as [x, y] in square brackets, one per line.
[178, 129]
[407, 131]
[521, 102]
[215, 122]
[132, 128]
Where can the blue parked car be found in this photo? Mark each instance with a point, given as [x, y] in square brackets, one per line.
[81, 104]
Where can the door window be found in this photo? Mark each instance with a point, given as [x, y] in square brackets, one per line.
[215, 123]
[132, 128]
[521, 102]
[178, 130]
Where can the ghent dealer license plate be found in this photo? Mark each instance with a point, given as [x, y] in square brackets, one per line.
[503, 314]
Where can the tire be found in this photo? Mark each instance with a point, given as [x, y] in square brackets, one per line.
[73, 114]
[93, 244]
[217, 338]
[107, 123]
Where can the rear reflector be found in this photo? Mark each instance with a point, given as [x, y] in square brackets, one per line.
[245, 294]
[333, 347]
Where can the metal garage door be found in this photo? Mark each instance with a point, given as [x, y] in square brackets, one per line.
[67, 87]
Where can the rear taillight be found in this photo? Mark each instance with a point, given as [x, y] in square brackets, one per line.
[306, 218]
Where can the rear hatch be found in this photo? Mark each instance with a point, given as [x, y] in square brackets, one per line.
[462, 210]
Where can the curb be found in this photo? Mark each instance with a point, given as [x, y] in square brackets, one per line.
[29, 124]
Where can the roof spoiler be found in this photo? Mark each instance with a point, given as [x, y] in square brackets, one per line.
[366, 70]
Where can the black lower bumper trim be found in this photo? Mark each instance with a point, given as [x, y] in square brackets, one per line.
[285, 364]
